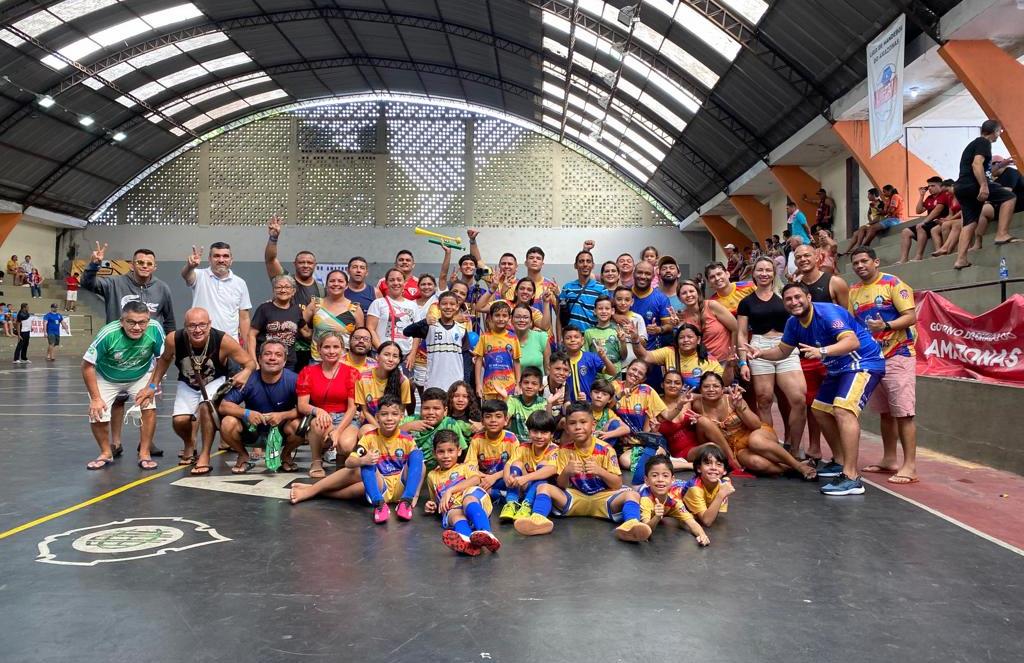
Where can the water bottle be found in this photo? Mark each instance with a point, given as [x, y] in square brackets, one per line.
[1004, 273]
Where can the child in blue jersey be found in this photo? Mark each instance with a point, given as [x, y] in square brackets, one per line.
[589, 483]
[492, 448]
[661, 497]
[855, 366]
[584, 367]
[608, 426]
[533, 465]
[455, 495]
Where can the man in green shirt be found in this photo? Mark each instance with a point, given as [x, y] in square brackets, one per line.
[119, 360]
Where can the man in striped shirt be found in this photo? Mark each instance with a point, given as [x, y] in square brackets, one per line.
[578, 297]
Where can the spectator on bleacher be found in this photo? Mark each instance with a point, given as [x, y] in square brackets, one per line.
[71, 297]
[824, 216]
[796, 222]
[864, 235]
[733, 262]
[223, 294]
[35, 282]
[934, 203]
[25, 270]
[973, 189]
[895, 210]
[950, 227]
[828, 249]
[885, 305]
[12, 270]
[1003, 174]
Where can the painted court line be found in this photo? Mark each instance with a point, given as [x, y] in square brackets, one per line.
[94, 500]
[987, 537]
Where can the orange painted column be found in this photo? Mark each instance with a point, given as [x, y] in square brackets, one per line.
[7, 223]
[724, 232]
[996, 81]
[797, 183]
[892, 165]
[756, 214]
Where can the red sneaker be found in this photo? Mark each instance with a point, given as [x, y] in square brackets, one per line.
[459, 543]
[381, 513]
[404, 511]
[485, 539]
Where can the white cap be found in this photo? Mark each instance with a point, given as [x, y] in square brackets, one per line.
[731, 246]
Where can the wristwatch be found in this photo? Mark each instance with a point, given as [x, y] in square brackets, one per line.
[888, 327]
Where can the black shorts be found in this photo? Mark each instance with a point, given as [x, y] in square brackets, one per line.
[971, 206]
[928, 225]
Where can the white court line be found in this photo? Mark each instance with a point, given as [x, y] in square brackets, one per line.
[987, 537]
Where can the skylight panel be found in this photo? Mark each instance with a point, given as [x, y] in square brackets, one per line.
[227, 109]
[201, 41]
[38, 23]
[246, 81]
[172, 15]
[752, 10]
[265, 97]
[197, 121]
[676, 55]
[73, 51]
[184, 75]
[660, 80]
[69, 10]
[154, 56]
[146, 91]
[556, 47]
[10, 38]
[227, 61]
[552, 90]
[120, 32]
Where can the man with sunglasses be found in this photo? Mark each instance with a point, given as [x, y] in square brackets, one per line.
[138, 285]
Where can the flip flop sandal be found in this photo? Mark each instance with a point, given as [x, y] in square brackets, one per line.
[147, 464]
[877, 469]
[117, 451]
[105, 462]
[1002, 242]
[200, 470]
[188, 460]
[288, 466]
[903, 480]
[243, 468]
[317, 472]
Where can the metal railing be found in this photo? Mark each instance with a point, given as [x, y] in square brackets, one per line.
[1002, 283]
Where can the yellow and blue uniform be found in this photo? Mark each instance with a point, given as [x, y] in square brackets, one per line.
[499, 352]
[584, 368]
[400, 466]
[588, 494]
[674, 506]
[887, 297]
[640, 406]
[489, 455]
[696, 496]
[370, 388]
[731, 302]
[689, 366]
[851, 377]
[439, 482]
[530, 461]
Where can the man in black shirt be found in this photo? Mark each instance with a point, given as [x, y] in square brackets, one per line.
[974, 188]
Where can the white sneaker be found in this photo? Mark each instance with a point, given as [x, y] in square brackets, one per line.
[330, 455]
[27, 361]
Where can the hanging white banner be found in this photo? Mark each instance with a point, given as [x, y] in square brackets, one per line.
[885, 85]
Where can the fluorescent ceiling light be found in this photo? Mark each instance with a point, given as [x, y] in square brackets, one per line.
[46, 101]
[119, 136]
[86, 121]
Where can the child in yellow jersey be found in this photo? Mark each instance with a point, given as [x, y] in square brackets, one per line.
[497, 355]
[661, 497]
[589, 483]
[492, 448]
[386, 466]
[455, 494]
[385, 378]
[707, 494]
[532, 465]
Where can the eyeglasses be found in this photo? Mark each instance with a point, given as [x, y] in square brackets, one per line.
[284, 287]
[145, 263]
[198, 326]
[134, 323]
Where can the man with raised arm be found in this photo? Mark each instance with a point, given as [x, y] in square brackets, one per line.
[306, 287]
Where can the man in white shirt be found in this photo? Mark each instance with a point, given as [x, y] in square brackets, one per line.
[217, 289]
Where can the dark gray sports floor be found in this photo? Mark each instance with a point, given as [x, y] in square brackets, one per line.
[790, 576]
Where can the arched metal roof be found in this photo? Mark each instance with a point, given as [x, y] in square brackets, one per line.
[682, 96]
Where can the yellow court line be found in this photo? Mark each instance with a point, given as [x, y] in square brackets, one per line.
[98, 498]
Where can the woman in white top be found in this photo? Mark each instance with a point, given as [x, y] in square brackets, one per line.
[416, 362]
[389, 316]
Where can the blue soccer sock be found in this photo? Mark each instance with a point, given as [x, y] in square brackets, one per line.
[463, 528]
[542, 505]
[515, 495]
[496, 490]
[631, 510]
[413, 475]
[641, 464]
[531, 491]
[368, 473]
[476, 514]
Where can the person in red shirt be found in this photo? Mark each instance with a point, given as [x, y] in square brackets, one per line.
[326, 397]
[72, 283]
[405, 263]
[934, 202]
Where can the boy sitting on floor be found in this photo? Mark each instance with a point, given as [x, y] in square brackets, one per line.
[533, 464]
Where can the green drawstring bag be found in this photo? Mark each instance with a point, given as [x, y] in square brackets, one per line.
[272, 453]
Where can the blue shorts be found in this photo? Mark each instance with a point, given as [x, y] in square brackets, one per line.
[890, 222]
[850, 391]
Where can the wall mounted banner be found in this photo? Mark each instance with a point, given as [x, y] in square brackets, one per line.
[885, 85]
[953, 343]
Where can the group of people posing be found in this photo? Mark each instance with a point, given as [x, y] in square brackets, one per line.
[579, 400]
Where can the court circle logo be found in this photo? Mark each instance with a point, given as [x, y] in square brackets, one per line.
[126, 540]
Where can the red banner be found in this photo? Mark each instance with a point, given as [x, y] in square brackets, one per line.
[952, 343]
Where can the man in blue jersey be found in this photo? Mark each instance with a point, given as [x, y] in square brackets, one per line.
[653, 306]
[855, 366]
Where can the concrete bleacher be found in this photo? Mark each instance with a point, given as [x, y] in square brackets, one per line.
[962, 418]
[88, 317]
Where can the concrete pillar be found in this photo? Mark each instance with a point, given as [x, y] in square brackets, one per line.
[7, 222]
[755, 214]
[724, 232]
[894, 165]
[797, 183]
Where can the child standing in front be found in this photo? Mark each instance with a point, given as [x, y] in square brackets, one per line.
[497, 355]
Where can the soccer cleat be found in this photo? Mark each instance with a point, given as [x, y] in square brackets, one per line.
[632, 530]
[843, 485]
[460, 543]
[404, 511]
[533, 525]
[508, 512]
[484, 539]
[525, 511]
[381, 513]
[830, 470]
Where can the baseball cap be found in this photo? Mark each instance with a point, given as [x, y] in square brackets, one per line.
[731, 246]
[666, 260]
[53, 306]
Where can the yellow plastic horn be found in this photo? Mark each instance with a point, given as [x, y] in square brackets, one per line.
[430, 233]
